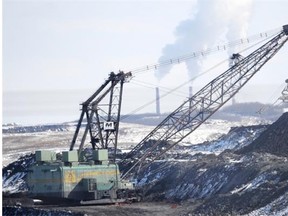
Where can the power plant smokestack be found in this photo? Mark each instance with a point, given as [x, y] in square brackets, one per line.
[233, 100]
[190, 91]
[190, 96]
[157, 101]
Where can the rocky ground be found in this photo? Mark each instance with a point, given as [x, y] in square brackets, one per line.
[243, 172]
[234, 182]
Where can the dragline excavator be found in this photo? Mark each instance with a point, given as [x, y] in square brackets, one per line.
[91, 175]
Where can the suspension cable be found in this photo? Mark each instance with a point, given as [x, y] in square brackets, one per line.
[205, 52]
[172, 90]
[190, 80]
[162, 88]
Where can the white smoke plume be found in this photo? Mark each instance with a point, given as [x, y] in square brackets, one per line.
[213, 19]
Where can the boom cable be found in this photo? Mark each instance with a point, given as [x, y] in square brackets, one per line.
[162, 88]
[205, 52]
[195, 77]
[172, 90]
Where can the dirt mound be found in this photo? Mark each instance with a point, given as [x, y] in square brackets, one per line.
[253, 180]
[227, 184]
[274, 140]
[13, 175]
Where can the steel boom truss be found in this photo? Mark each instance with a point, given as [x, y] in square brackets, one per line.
[197, 109]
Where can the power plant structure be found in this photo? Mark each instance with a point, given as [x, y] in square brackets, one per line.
[284, 96]
[233, 101]
[158, 98]
[190, 91]
[92, 174]
[190, 95]
[158, 113]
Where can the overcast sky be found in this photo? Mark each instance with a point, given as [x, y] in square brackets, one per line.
[62, 44]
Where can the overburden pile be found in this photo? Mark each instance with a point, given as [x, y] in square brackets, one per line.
[273, 141]
[252, 179]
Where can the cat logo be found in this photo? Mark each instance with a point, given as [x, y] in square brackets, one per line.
[109, 126]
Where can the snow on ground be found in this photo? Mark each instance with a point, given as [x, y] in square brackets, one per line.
[256, 182]
[18, 144]
[213, 129]
[200, 180]
[278, 207]
[12, 185]
[131, 134]
[15, 145]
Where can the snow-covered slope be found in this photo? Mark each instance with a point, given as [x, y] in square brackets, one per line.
[229, 183]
